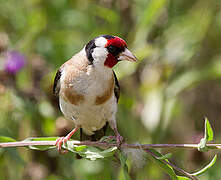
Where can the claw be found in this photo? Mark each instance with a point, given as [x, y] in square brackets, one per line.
[59, 142]
[119, 140]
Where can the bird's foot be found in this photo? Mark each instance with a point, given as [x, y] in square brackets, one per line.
[113, 139]
[119, 139]
[59, 142]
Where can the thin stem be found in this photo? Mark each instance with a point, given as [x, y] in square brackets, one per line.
[145, 147]
[173, 166]
[104, 144]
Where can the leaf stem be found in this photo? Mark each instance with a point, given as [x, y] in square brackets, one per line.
[173, 166]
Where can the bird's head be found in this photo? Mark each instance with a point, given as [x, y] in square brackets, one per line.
[106, 50]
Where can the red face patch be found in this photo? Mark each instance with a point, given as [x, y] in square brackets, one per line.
[110, 61]
[116, 41]
[119, 45]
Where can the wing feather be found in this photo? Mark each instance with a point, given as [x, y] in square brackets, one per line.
[116, 87]
[56, 86]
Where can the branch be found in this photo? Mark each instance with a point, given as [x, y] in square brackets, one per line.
[146, 147]
[105, 144]
[71, 146]
[173, 166]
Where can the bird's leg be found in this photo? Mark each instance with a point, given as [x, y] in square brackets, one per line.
[62, 140]
[118, 137]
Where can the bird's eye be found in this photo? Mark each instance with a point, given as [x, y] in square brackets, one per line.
[113, 50]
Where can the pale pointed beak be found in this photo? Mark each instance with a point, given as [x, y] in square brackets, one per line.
[127, 55]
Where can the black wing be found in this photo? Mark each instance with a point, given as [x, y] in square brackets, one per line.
[56, 86]
[116, 87]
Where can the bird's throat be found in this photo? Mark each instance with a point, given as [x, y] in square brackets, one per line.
[110, 61]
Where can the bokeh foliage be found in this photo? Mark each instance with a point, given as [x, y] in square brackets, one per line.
[164, 97]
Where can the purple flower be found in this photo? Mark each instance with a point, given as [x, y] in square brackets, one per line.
[14, 62]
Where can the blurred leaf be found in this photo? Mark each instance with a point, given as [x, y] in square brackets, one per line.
[151, 11]
[165, 167]
[208, 136]
[125, 69]
[206, 167]
[45, 109]
[149, 14]
[36, 20]
[152, 110]
[123, 161]
[187, 32]
[182, 82]
[6, 139]
[48, 126]
[99, 11]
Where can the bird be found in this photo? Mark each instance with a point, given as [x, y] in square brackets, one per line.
[88, 88]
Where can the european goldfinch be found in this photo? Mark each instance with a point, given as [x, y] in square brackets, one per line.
[88, 89]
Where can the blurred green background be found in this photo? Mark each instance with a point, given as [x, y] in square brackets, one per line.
[164, 97]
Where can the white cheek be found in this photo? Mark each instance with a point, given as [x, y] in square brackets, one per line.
[99, 54]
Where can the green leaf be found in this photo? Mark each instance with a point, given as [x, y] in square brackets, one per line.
[123, 161]
[39, 147]
[94, 153]
[165, 156]
[165, 167]
[71, 146]
[208, 130]
[42, 139]
[208, 136]
[79, 148]
[6, 139]
[183, 178]
[89, 152]
[206, 167]
[109, 152]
